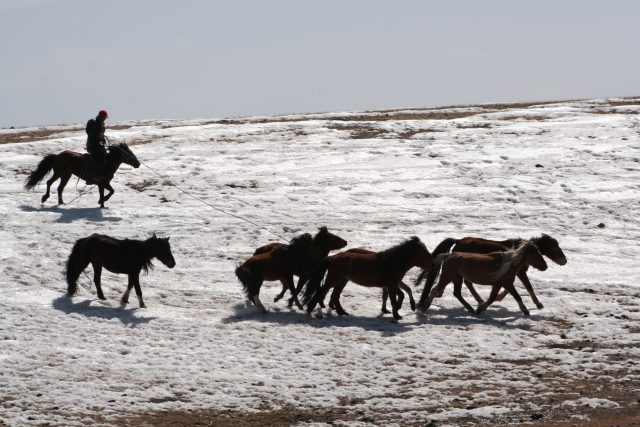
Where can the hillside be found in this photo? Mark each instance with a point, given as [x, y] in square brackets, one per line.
[221, 188]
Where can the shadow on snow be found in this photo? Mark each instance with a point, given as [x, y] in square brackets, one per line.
[499, 317]
[125, 315]
[68, 215]
[385, 325]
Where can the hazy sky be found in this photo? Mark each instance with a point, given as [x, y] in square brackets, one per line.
[63, 60]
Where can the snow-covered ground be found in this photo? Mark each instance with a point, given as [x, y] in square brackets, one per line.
[567, 169]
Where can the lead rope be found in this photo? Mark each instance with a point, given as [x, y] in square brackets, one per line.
[199, 199]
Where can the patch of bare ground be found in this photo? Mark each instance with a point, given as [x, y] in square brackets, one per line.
[365, 131]
[33, 135]
[532, 118]
[142, 186]
[213, 418]
[139, 141]
[42, 134]
[360, 131]
[625, 102]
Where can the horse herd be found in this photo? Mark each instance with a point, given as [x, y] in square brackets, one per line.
[469, 260]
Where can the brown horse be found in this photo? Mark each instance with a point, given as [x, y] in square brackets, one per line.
[496, 269]
[547, 245]
[128, 257]
[70, 163]
[383, 269]
[278, 264]
[323, 243]
[385, 292]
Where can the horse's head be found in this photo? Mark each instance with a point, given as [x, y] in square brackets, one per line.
[162, 251]
[328, 241]
[422, 256]
[549, 247]
[532, 256]
[126, 155]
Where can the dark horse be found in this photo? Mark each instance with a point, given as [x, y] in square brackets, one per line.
[323, 243]
[496, 269]
[70, 163]
[385, 292]
[277, 264]
[383, 269]
[118, 256]
[547, 245]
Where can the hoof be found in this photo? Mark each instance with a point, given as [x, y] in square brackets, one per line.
[385, 311]
[526, 313]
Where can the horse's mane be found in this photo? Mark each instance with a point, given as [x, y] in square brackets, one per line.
[512, 256]
[513, 243]
[122, 149]
[298, 242]
[400, 251]
[141, 249]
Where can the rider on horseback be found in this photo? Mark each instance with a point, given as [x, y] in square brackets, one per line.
[96, 146]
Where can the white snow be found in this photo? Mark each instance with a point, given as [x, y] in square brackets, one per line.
[197, 345]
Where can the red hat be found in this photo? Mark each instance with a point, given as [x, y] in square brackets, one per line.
[103, 113]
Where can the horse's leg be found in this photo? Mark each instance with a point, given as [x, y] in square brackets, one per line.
[385, 296]
[457, 292]
[125, 297]
[63, 182]
[111, 191]
[443, 281]
[301, 281]
[97, 274]
[516, 296]
[473, 291]
[335, 298]
[50, 182]
[522, 275]
[292, 289]
[331, 281]
[101, 193]
[135, 280]
[492, 297]
[395, 304]
[408, 290]
[255, 295]
[281, 294]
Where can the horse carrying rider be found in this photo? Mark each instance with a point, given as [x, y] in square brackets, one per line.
[96, 146]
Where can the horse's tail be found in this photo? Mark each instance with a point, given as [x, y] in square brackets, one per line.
[77, 262]
[312, 286]
[442, 248]
[431, 277]
[43, 168]
[248, 280]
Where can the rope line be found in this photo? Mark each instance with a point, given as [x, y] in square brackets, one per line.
[199, 199]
